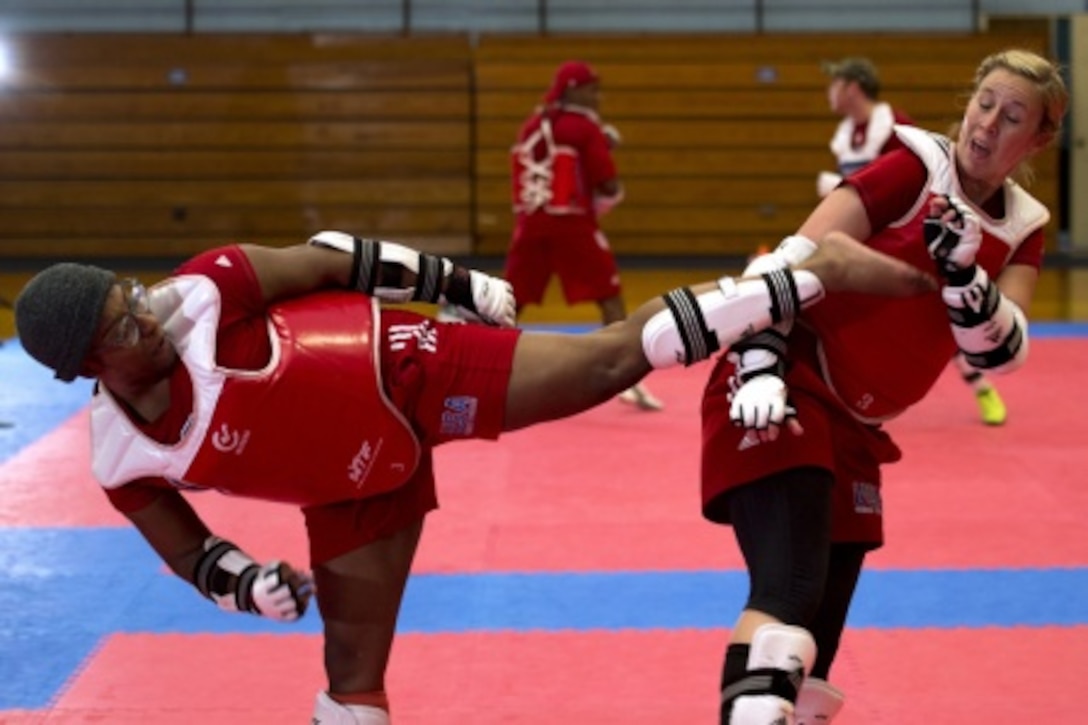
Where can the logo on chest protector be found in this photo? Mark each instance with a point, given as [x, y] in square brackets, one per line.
[867, 498]
[228, 440]
[360, 465]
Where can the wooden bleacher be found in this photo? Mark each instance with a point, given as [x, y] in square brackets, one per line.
[162, 146]
[152, 146]
[723, 136]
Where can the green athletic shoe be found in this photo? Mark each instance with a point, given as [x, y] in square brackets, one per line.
[991, 407]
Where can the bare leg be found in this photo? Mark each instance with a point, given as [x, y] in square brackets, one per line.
[558, 375]
[844, 264]
[359, 594]
[614, 309]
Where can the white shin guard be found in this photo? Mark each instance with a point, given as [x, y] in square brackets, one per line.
[328, 711]
[818, 703]
[778, 651]
[694, 327]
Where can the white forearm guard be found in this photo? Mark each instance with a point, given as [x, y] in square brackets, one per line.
[369, 256]
[990, 329]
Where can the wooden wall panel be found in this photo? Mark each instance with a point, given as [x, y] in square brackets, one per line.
[722, 136]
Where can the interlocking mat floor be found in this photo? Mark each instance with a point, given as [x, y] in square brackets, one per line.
[568, 576]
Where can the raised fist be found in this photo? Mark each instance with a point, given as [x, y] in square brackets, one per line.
[492, 299]
[762, 405]
[953, 234]
[481, 297]
[279, 592]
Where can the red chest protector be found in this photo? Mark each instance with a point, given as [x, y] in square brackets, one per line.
[547, 176]
[312, 427]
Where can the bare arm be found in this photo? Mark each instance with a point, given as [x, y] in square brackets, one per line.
[218, 569]
[298, 270]
[174, 531]
[389, 271]
[840, 211]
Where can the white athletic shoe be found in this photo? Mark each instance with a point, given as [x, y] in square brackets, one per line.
[640, 397]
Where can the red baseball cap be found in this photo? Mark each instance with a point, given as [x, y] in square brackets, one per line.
[570, 74]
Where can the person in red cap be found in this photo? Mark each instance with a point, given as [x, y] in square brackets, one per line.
[564, 179]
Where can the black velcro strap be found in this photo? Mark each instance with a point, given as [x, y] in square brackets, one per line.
[205, 574]
[459, 289]
[215, 582]
[785, 301]
[968, 317]
[428, 279]
[769, 681]
[698, 340]
[243, 595]
[1000, 355]
[364, 277]
[773, 342]
[770, 340]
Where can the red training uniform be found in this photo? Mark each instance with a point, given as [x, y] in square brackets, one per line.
[561, 156]
[318, 401]
[857, 360]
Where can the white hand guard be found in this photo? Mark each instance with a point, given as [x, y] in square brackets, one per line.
[493, 299]
[761, 405]
[953, 242]
[274, 597]
[482, 296]
[233, 580]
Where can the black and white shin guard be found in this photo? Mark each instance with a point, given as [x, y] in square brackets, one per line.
[780, 657]
[694, 327]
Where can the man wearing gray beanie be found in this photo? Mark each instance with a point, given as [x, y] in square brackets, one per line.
[273, 374]
[57, 314]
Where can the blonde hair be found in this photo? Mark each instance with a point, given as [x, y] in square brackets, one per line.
[1045, 75]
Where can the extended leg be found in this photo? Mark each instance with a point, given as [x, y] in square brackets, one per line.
[556, 375]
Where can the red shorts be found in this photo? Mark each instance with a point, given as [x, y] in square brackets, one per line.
[571, 247]
[450, 382]
[833, 440]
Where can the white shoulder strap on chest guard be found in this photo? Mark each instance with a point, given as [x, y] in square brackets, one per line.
[1023, 213]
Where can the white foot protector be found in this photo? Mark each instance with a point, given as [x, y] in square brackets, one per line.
[761, 710]
[818, 703]
[328, 711]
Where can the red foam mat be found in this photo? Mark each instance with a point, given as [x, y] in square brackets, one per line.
[897, 677]
[616, 488]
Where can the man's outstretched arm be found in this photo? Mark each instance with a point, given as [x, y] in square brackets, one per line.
[217, 568]
[389, 271]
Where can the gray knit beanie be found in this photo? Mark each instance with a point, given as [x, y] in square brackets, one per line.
[58, 312]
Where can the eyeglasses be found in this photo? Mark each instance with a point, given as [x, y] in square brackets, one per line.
[126, 331]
